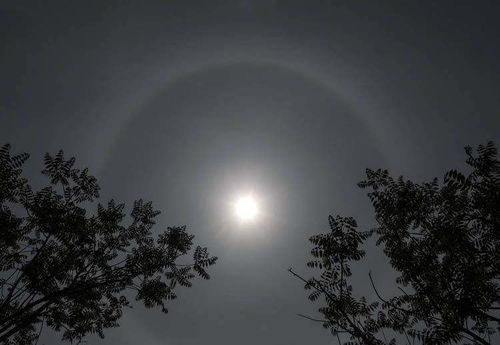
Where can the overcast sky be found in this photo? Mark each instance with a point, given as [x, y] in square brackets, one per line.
[191, 104]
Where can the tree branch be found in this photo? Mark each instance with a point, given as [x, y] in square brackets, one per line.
[312, 319]
[357, 332]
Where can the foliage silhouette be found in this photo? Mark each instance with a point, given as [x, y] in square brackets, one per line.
[68, 269]
[442, 239]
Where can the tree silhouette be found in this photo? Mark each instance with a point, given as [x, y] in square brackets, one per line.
[69, 268]
[443, 240]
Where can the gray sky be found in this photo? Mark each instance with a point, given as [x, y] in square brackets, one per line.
[190, 104]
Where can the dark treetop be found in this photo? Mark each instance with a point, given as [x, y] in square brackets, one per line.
[442, 239]
[68, 268]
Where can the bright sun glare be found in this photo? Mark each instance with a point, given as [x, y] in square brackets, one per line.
[246, 208]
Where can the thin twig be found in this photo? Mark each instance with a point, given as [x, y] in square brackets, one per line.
[312, 319]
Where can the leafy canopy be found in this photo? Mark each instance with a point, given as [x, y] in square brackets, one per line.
[443, 240]
[69, 268]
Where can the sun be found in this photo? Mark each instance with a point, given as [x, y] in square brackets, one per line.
[246, 208]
